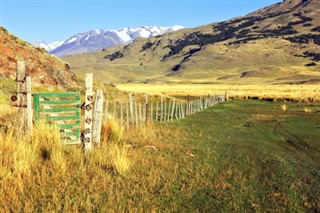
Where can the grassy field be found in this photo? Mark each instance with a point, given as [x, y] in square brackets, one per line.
[296, 92]
[236, 156]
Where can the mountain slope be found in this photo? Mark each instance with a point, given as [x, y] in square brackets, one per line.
[44, 68]
[100, 39]
[277, 44]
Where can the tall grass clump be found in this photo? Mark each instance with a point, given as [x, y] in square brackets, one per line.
[16, 157]
[19, 151]
[49, 146]
[111, 131]
[118, 156]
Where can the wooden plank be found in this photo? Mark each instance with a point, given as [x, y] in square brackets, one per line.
[74, 95]
[74, 133]
[57, 110]
[69, 126]
[59, 102]
[60, 118]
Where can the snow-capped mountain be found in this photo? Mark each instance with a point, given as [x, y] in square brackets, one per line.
[98, 39]
[48, 47]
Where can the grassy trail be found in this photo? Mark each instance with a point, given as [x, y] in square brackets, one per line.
[259, 157]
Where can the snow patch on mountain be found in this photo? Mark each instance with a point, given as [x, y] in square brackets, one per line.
[48, 47]
[98, 39]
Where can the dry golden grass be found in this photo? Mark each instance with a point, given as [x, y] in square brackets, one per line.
[296, 92]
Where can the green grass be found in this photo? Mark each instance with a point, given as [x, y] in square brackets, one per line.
[236, 156]
[260, 157]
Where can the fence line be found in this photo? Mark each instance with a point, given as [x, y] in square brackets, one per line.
[137, 113]
[134, 115]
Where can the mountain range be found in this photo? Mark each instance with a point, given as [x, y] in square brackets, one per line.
[100, 39]
[279, 44]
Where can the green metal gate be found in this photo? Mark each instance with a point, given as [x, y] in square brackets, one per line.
[62, 110]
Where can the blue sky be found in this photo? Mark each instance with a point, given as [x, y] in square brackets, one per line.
[57, 20]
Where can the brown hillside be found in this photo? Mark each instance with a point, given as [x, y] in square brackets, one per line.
[44, 68]
[276, 44]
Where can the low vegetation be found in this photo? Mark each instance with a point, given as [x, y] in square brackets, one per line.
[235, 156]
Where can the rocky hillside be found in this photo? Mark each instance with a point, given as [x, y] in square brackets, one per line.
[276, 44]
[44, 68]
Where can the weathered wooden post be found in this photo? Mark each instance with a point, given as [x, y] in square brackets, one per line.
[127, 114]
[146, 109]
[115, 110]
[165, 110]
[136, 113]
[131, 108]
[188, 106]
[157, 112]
[97, 119]
[106, 111]
[177, 110]
[151, 113]
[182, 110]
[140, 114]
[169, 113]
[121, 114]
[172, 110]
[161, 109]
[21, 91]
[29, 104]
[87, 139]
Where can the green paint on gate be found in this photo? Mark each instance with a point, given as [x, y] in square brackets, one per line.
[61, 110]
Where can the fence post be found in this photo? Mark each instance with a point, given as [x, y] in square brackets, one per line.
[157, 112]
[106, 113]
[140, 114]
[177, 111]
[131, 108]
[146, 109]
[121, 114]
[97, 118]
[87, 140]
[29, 104]
[161, 109]
[21, 90]
[127, 114]
[151, 113]
[172, 110]
[136, 113]
[165, 110]
[114, 110]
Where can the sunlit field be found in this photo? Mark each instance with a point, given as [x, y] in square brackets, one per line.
[235, 156]
[296, 92]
